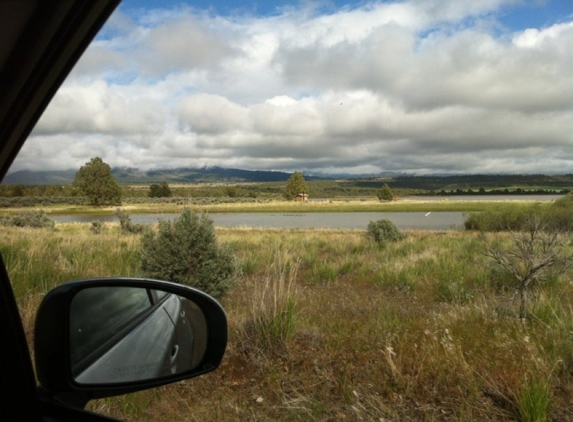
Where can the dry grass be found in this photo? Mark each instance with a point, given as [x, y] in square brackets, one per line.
[408, 332]
[271, 319]
[420, 204]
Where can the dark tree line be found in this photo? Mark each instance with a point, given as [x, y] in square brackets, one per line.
[518, 191]
[465, 182]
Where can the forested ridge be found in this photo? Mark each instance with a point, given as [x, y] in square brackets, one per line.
[217, 182]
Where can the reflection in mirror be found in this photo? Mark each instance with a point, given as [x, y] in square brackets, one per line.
[124, 334]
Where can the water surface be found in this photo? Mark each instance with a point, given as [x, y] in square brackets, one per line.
[327, 220]
[331, 220]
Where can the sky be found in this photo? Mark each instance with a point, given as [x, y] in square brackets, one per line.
[332, 87]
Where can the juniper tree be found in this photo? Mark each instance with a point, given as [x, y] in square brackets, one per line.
[295, 185]
[95, 181]
[385, 194]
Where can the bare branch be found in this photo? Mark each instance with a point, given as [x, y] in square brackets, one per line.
[533, 256]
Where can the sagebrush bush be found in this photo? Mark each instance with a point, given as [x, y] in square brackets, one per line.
[34, 219]
[533, 258]
[186, 251]
[39, 201]
[382, 231]
[125, 223]
[96, 227]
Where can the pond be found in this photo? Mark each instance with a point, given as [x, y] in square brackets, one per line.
[330, 220]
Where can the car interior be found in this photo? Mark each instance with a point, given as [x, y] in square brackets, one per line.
[39, 44]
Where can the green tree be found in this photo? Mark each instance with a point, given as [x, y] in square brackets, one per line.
[186, 251]
[295, 185]
[385, 194]
[161, 190]
[95, 181]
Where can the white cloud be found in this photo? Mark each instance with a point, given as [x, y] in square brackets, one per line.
[207, 113]
[535, 38]
[97, 107]
[406, 86]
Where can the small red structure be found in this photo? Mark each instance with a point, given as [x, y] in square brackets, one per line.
[301, 197]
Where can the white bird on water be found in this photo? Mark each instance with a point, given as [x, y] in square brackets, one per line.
[428, 214]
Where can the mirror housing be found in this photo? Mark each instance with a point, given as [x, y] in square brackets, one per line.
[53, 350]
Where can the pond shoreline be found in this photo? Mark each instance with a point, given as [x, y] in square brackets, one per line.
[409, 204]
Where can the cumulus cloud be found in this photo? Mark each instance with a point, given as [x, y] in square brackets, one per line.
[424, 86]
[186, 43]
[208, 113]
[97, 107]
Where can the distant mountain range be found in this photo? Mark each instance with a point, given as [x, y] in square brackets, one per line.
[124, 175]
[41, 177]
[134, 175]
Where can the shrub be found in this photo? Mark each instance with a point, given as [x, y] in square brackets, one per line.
[39, 201]
[557, 216]
[502, 218]
[383, 231]
[533, 258]
[385, 194]
[96, 227]
[186, 251]
[125, 223]
[565, 202]
[561, 214]
[161, 190]
[34, 219]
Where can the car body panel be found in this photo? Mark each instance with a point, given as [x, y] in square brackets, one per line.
[135, 357]
[157, 346]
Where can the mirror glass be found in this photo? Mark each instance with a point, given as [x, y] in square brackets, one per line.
[125, 334]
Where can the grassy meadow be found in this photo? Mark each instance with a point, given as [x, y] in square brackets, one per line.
[327, 326]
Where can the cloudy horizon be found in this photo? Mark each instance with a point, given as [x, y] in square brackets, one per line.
[415, 86]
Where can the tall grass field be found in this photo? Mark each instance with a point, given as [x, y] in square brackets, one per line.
[326, 325]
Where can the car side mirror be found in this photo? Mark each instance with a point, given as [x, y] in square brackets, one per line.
[103, 337]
